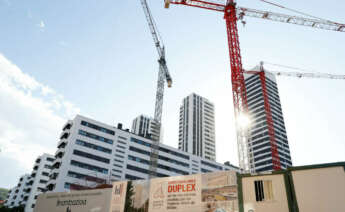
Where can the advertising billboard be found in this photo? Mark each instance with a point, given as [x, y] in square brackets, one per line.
[97, 200]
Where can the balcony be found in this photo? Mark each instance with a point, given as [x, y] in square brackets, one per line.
[62, 143]
[33, 174]
[51, 185]
[64, 135]
[67, 126]
[27, 190]
[59, 153]
[38, 160]
[57, 163]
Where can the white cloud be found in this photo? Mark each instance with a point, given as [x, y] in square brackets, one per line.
[32, 115]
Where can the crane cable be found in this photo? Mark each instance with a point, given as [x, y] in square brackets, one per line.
[299, 12]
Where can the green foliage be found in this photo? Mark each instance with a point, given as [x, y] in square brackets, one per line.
[129, 204]
[3, 193]
[129, 194]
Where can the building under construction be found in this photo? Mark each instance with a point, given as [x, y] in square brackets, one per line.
[266, 125]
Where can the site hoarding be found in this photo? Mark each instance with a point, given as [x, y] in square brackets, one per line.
[118, 196]
[210, 192]
[97, 200]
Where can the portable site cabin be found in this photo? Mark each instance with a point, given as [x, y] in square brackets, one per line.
[314, 188]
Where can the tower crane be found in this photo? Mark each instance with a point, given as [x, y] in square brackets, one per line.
[233, 13]
[260, 68]
[163, 74]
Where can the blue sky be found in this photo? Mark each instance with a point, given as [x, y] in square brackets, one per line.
[96, 58]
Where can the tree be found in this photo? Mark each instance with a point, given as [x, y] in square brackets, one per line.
[129, 195]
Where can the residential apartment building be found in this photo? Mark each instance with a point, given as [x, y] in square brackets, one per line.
[31, 185]
[15, 196]
[197, 128]
[260, 145]
[146, 127]
[38, 180]
[90, 153]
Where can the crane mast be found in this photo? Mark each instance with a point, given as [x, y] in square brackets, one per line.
[232, 14]
[163, 74]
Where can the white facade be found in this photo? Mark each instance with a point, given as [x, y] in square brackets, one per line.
[15, 196]
[38, 180]
[197, 128]
[260, 141]
[90, 152]
[146, 127]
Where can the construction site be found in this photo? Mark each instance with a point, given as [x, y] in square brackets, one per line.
[105, 168]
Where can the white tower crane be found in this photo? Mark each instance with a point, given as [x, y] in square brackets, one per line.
[259, 68]
[163, 74]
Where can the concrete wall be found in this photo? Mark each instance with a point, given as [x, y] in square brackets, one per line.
[279, 202]
[320, 189]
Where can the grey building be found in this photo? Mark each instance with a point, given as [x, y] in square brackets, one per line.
[147, 127]
[261, 150]
[196, 127]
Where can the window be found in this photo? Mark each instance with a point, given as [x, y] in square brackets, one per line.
[85, 177]
[173, 161]
[90, 156]
[43, 181]
[96, 137]
[131, 177]
[205, 170]
[140, 142]
[93, 146]
[119, 156]
[47, 166]
[134, 149]
[174, 153]
[120, 161]
[118, 171]
[96, 127]
[145, 171]
[50, 159]
[143, 161]
[120, 151]
[211, 165]
[263, 190]
[89, 167]
[45, 173]
[122, 147]
[121, 142]
[117, 165]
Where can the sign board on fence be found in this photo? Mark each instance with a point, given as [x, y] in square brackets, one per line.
[76, 201]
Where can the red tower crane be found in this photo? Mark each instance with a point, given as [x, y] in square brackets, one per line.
[232, 14]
